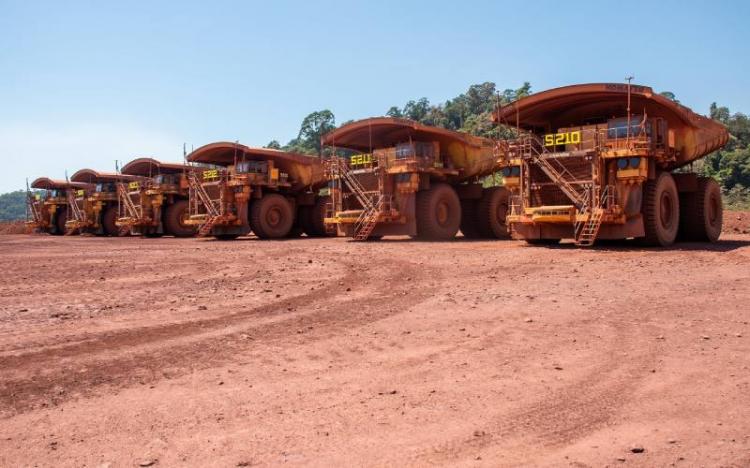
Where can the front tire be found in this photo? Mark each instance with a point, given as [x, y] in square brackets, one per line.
[108, 222]
[174, 220]
[271, 217]
[61, 217]
[661, 210]
[491, 212]
[438, 212]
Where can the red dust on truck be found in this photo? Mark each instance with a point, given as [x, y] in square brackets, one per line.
[49, 210]
[239, 189]
[405, 178]
[599, 161]
[158, 204]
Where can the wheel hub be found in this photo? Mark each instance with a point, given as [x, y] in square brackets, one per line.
[273, 217]
[441, 213]
[666, 210]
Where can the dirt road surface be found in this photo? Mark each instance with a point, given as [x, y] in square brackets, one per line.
[194, 352]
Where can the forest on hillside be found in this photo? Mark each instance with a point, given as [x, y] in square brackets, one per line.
[471, 112]
[13, 206]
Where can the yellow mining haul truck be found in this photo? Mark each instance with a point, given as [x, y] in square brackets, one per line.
[49, 211]
[597, 161]
[274, 194]
[159, 204]
[95, 210]
[404, 178]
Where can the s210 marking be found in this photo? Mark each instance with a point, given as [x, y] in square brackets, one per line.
[568, 138]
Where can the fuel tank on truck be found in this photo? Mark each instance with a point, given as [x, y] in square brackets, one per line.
[691, 135]
[470, 155]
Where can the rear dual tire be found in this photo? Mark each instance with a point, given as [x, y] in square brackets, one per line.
[485, 218]
[311, 218]
[701, 212]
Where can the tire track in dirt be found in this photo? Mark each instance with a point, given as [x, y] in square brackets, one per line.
[567, 414]
[53, 376]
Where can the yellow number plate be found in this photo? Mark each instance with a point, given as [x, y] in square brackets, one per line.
[569, 138]
[211, 174]
[80, 193]
[133, 186]
[360, 159]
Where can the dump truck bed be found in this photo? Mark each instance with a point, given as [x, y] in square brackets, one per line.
[149, 167]
[694, 135]
[51, 184]
[471, 156]
[91, 176]
[304, 171]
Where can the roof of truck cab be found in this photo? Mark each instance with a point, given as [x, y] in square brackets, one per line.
[385, 132]
[91, 176]
[149, 167]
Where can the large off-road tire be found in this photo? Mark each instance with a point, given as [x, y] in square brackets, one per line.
[438, 212]
[469, 219]
[491, 212]
[174, 220]
[312, 218]
[701, 212]
[661, 210]
[61, 217]
[108, 222]
[271, 217]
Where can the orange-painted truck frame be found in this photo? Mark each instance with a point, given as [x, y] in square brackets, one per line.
[48, 211]
[159, 203]
[96, 207]
[598, 161]
[396, 177]
[239, 189]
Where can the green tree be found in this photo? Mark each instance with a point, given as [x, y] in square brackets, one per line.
[314, 126]
[273, 144]
[417, 110]
[670, 95]
[13, 206]
[394, 111]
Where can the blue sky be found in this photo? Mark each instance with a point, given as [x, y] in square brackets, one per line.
[83, 83]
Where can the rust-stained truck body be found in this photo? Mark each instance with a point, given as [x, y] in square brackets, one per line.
[239, 189]
[405, 178]
[159, 204]
[96, 209]
[595, 161]
[49, 210]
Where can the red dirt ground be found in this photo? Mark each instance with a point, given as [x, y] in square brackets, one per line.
[164, 352]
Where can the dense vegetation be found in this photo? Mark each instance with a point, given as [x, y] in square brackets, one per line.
[13, 206]
[471, 112]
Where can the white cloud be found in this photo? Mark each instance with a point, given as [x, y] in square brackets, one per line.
[29, 150]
